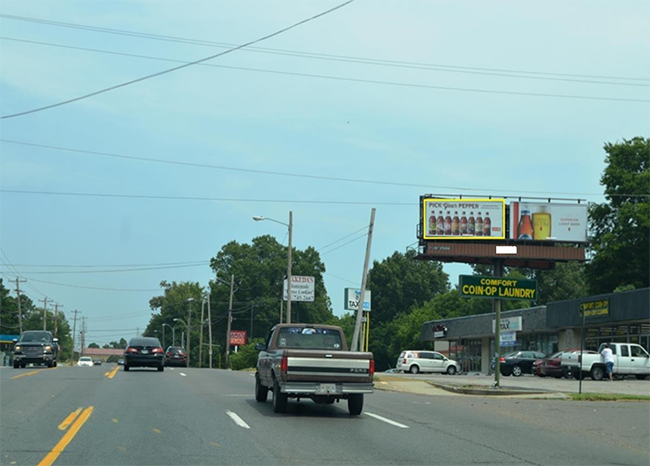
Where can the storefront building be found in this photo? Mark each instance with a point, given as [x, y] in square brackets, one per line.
[616, 317]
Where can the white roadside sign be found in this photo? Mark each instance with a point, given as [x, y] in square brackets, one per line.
[352, 297]
[302, 288]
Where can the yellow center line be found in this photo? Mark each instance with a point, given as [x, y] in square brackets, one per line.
[68, 420]
[113, 372]
[67, 438]
[26, 374]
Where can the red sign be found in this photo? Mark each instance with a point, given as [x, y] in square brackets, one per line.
[237, 337]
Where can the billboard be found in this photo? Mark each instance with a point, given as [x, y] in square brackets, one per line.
[302, 288]
[538, 221]
[463, 219]
[237, 337]
[352, 297]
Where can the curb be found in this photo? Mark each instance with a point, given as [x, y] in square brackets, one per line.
[491, 391]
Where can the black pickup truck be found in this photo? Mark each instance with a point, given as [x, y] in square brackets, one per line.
[312, 361]
[36, 347]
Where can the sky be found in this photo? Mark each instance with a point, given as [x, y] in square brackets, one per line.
[471, 98]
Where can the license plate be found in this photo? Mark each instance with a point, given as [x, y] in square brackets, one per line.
[326, 388]
[144, 351]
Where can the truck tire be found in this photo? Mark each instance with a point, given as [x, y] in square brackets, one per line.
[126, 367]
[641, 376]
[597, 373]
[355, 403]
[261, 392]
[279, 399]
[16, 364]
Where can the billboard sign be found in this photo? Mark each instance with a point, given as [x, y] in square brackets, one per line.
[352, 297]
[463, 219]
[476, 286]
[509, 339]
[535, 221]
[237, 337]
[302, 288]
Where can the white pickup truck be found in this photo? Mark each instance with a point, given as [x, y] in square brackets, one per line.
[629, 359]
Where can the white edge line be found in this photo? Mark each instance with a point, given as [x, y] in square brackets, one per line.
[396, 424]
[239, 421]
[184, 375]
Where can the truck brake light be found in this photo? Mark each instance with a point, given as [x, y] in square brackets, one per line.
[372, 367]
[284, 364]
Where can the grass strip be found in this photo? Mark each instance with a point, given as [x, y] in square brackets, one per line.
[607, 397]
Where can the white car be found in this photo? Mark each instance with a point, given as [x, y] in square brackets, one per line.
[85, 361]
[415, 361]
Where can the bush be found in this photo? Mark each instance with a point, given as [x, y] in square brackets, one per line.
[246, 357]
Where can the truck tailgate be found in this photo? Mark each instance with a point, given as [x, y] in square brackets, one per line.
[328, 366]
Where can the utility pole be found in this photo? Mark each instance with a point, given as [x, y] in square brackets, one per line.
[20, 313]
[74, 331]
[44, 301]
[357, 327]
[232, 286]
[498, 273]
[83, 335]
[289, 270]
[201, 334]
[56, 317]
[189, 319]
[210, 332]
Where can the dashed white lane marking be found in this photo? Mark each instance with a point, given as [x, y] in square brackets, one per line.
[184, 375]
[239, 421]
[396, 424]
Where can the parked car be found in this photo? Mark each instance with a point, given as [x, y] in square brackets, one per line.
[85, 361]
[519, 362]
[36, 347]
[629, 359]
[97, 362]
[144, 352]
[176, 356]
[120, 362]
[415, 361]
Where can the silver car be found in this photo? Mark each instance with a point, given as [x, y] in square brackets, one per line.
[415, 361]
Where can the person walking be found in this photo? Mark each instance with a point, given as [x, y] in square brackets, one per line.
[608, 357]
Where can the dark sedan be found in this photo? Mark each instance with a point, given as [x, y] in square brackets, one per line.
[144, 352]
[519, 362]
[176, 356]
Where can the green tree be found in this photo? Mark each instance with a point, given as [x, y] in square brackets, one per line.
[93, 345]
[246, 356]
[566, 281]
[619, 243]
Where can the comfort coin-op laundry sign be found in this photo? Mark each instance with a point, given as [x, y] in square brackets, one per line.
[473, 286]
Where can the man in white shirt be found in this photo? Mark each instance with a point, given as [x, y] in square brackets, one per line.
[608, 357]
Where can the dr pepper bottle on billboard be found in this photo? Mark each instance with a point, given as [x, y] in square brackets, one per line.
[463, 225]
[470, 224]
[487, 225]
[448, 224]
[455, 225]
[479, 225]
[440, 225]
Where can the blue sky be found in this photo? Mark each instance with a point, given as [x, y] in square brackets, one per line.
[436, 139]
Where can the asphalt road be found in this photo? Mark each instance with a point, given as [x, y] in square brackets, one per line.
[197, 417]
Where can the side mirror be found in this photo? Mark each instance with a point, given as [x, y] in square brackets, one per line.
[55, 340]
[15, 340]
[260, 347]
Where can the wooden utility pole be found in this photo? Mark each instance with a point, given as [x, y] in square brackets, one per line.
[357, 327]
[498, 272]
[232, 287]
[56, 317]
[20, 313]
[74, 331]
[289, 270]
[209, 333]
[44, 301]
[201, 334]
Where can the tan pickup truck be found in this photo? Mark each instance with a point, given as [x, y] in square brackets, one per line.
[312, 361]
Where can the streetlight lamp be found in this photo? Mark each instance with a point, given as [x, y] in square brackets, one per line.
[259, 218]
[189, 320]
[185, 323]
[173, 333]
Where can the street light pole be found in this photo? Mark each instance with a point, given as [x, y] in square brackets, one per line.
[210, 332]
[232, 285]
[163, 327]
[201, 334]
[189, 319]
[259, 218]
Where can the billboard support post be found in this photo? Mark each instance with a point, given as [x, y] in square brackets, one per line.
[498, 273]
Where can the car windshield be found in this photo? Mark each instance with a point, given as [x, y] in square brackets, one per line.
[307, 337]
[35, 337]
[85, 359]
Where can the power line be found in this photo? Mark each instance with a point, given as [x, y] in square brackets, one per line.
[11, 267]
[88, 287]
[176, 68]
[119, 270]
[341, 239]
[108, 265]
[321, 76]
[291, 175]
[303, 54]
[345, 244]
